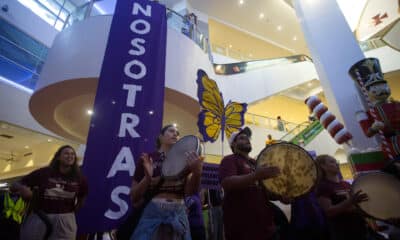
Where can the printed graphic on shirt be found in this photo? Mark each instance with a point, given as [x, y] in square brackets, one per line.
[59, 189]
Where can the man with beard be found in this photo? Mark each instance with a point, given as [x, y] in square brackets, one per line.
[246, 213]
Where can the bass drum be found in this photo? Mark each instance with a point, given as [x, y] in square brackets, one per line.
[175, 162]
[299, 172]
[383, 192]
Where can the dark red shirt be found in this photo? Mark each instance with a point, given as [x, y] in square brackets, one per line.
[349, 224]
[246, 214]
[57, 193]
[175, 186]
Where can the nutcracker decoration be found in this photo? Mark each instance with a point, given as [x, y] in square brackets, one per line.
[383, 116]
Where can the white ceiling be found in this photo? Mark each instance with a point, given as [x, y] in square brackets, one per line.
[22, 141]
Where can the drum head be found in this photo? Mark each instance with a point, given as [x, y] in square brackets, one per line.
[175, 161]
[383, 192]
[298, 170]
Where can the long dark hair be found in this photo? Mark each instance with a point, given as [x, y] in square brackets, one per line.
[55, 162]
[162, 131]
[321, 160]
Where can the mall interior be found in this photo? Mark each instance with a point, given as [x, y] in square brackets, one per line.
[271, 55]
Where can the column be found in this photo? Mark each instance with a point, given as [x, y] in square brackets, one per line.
[334, 50]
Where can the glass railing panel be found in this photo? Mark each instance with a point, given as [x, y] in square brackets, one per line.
[267, 122]
[18, 55]
[78, 15]
[294, 131]
[304, 133]
[241, 67]
[21, 57]
[20, 38]
[17, 73]
[371, 44]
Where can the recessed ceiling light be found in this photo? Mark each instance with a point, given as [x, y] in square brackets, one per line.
[250, 55]
[26, 147]
[294, 38]
[261, 16]
[230, 45]
[49, 140]
[279, 27]
[241, 2]
[151, 112]
[175, 124]
[89, 112]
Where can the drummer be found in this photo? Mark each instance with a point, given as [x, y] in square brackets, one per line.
[246, 214]
[334, 197]
[164, 215]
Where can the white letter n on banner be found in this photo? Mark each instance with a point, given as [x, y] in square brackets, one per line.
[137, 7]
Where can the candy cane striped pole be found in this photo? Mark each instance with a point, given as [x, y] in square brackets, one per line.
[364, 91]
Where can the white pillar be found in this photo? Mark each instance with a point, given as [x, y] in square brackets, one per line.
[334, 50]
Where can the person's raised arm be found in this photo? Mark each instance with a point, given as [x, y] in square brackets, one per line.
[195, 166]
[235, 182]
[345, 206]
[138, 189]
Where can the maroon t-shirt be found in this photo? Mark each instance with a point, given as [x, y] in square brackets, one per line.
[57, 193]
[246, 214]
[157, 158]
[176, 186]
[351, 223]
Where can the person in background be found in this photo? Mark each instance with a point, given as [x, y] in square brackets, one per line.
[269, 140]
[60, 190]
[280, 124]
[164, 215]
[216, 228]
[246, 212]
[12, 209]
[195, 216]
[338, 205]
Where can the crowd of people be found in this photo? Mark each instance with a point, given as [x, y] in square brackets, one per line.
[172, 208]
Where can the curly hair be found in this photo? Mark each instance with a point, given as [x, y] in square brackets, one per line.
[55, 162]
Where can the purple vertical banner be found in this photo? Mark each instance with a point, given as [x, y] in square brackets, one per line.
[128, 111]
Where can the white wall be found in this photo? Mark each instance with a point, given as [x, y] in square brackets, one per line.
[14, 108]
[78, 52]
[28, 22]
[388, 58]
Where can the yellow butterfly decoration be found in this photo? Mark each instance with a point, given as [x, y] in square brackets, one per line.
[214, 117]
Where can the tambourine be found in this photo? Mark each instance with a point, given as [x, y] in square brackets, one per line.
[175, 162]
[299, 172]
[383, 192]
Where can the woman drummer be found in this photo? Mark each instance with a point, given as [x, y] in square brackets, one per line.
[334, 197]
[164, 215]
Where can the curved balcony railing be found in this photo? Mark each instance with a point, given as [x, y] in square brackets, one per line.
[241, 67]
[174, 20]
[21, 57]
[267, 122]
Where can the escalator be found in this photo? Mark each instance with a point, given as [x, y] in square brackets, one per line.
[304, 133]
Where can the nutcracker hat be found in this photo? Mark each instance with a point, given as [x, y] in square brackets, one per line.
[368, 71]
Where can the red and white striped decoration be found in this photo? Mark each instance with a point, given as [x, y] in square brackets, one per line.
[328, 120]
